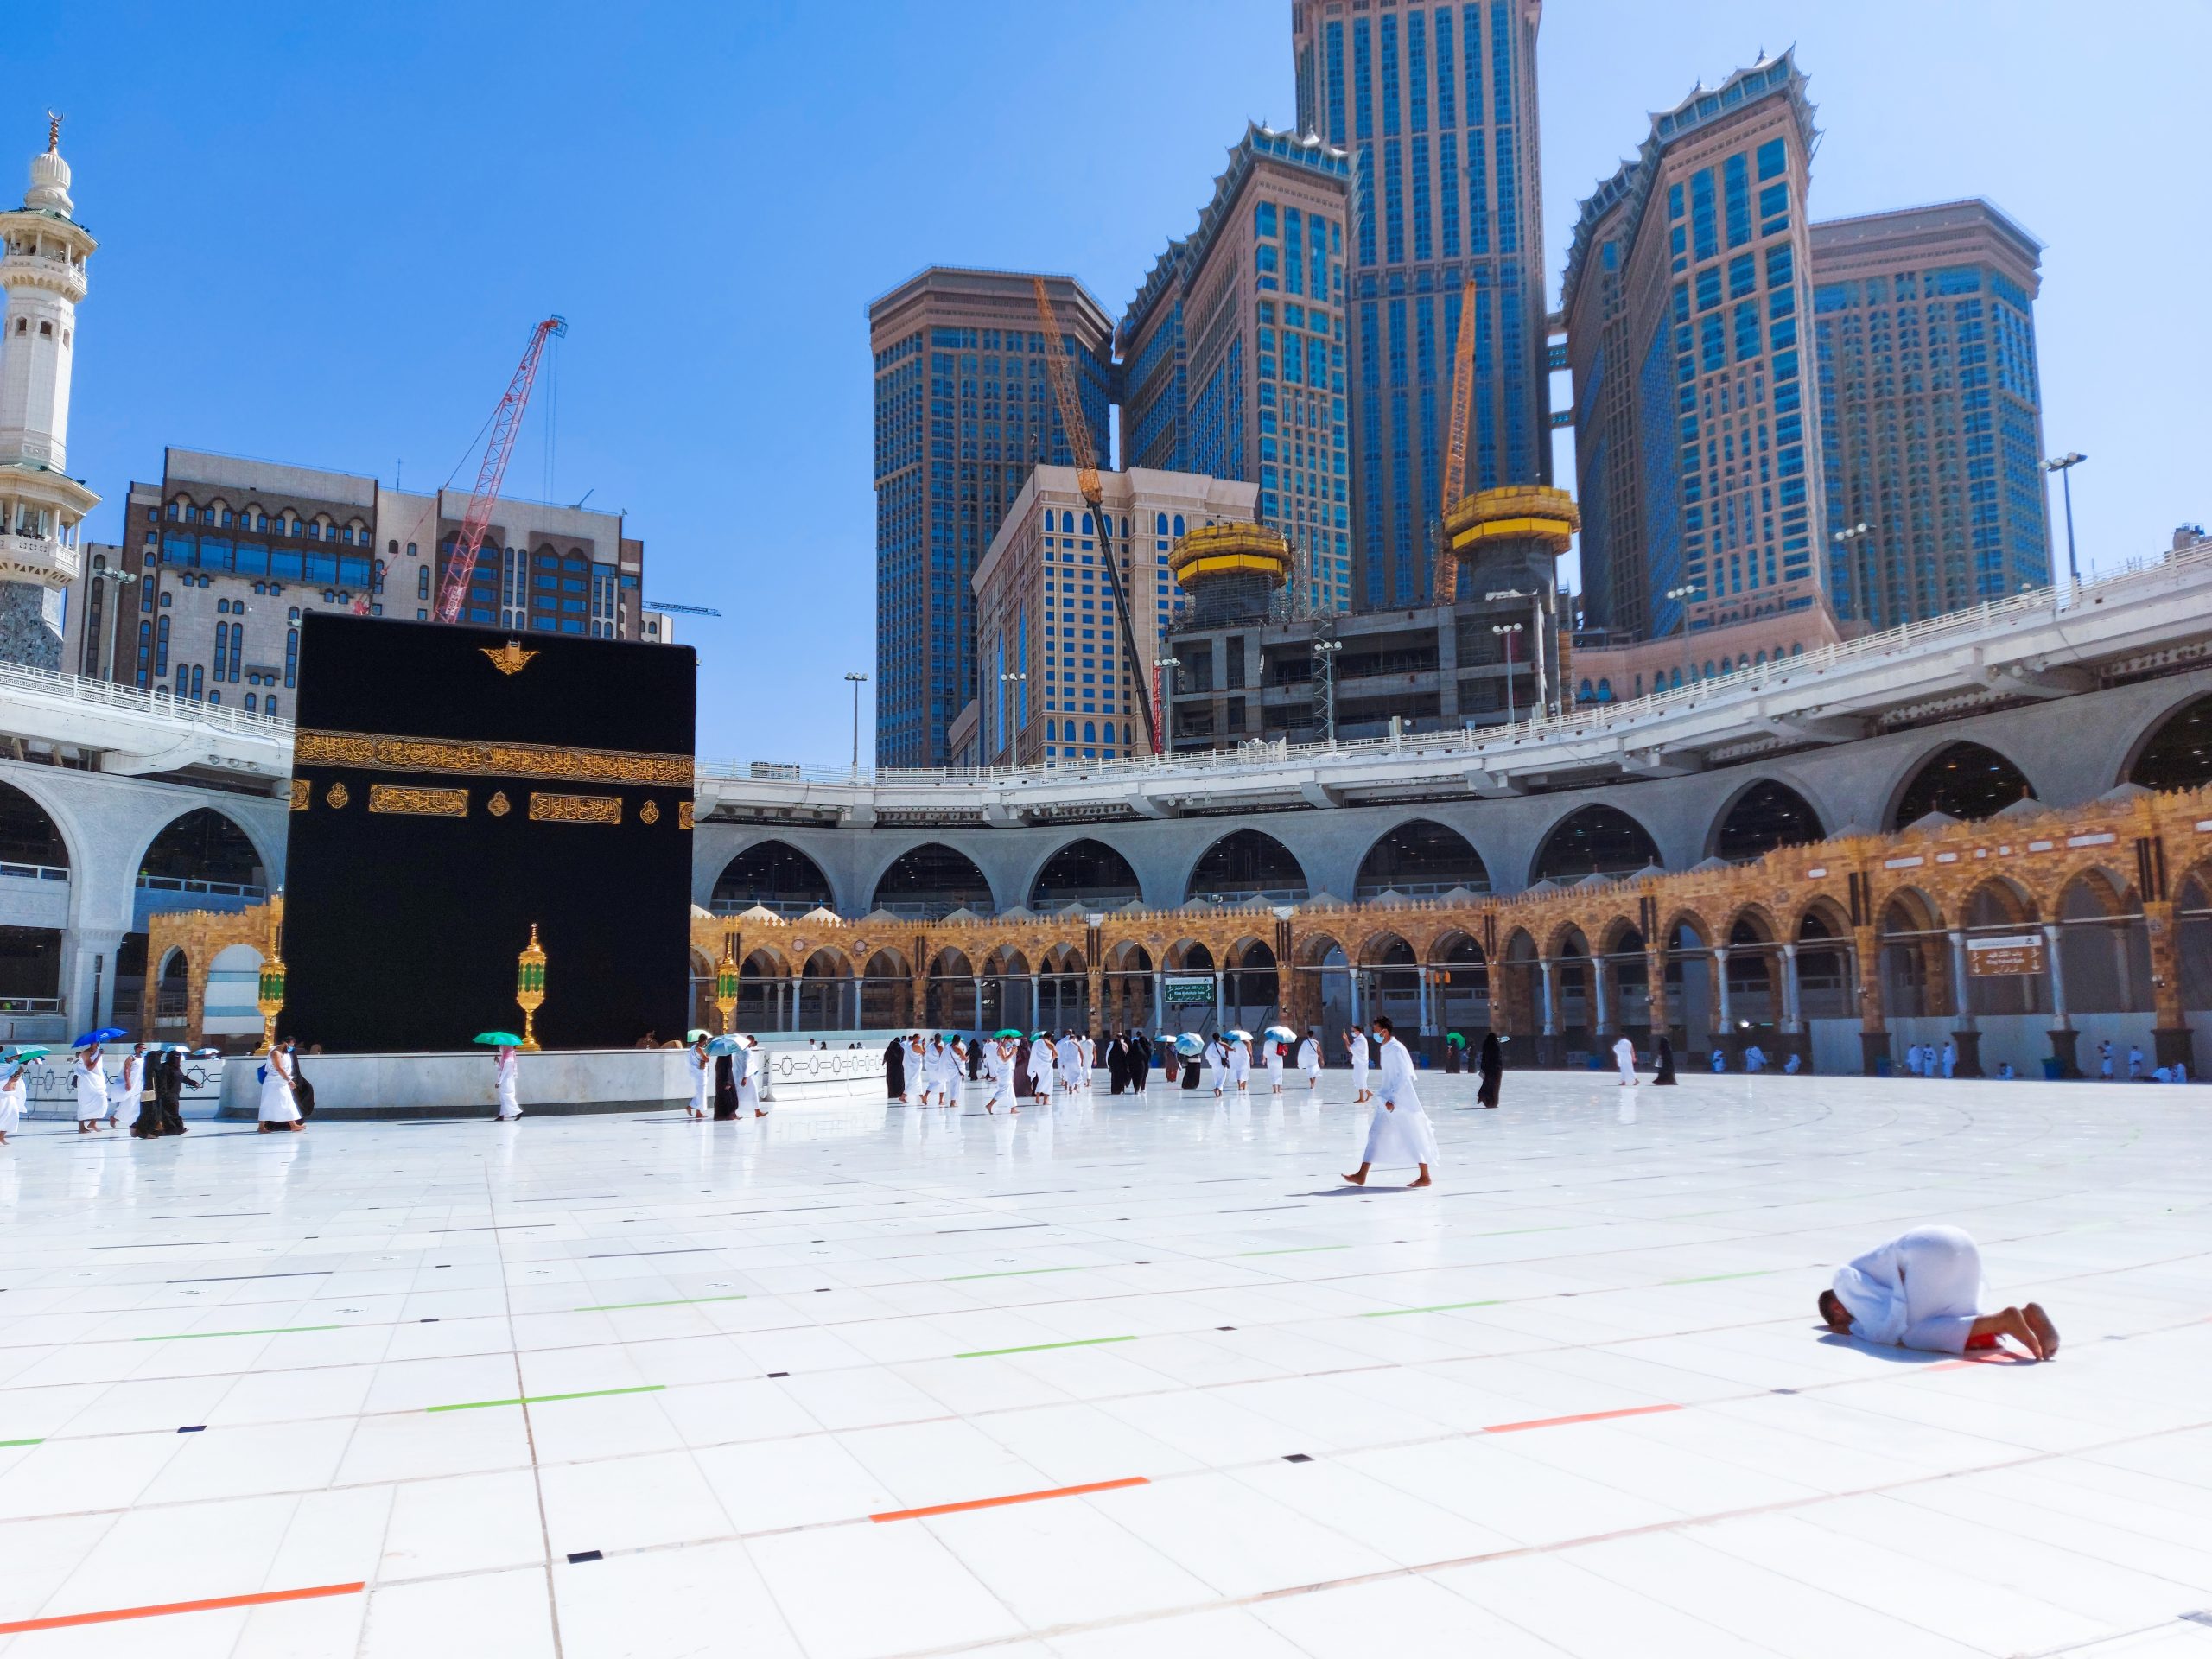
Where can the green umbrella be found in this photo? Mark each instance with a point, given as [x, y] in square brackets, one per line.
[1455, 1040]
[498, 1039]
[1009, 1035]
[25, 1055]
[690, 1036]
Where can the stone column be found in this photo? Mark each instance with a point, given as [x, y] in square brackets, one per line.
[1726, 1016]
[1352, 974]
[1968, 1033]
[1220, 1007]
[1159, 1000]
[2064, 1036]
[1420, 985]
[1550, 1050]
[859, 982]
[1036, 1004]
[1873, 1022]
[1793, 1018]
[1654, 978]
[921, 998]
[1601, 1000]
[2171, 1040]
[1092, 1006]
[976, 984]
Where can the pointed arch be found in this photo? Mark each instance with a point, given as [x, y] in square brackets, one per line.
[1421, 859]
[1764, 815]
[1594, 840]
[1243, 865]
[1966, 780]
[931, 880]
[1086, 872]
[775, 875]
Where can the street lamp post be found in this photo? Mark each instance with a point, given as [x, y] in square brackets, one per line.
[1507, 629]
[1843, 538]
[1163, 691]
[857, 680]
[1324, 663]
[2064, 466]
[1013, 677]
[1540, 700]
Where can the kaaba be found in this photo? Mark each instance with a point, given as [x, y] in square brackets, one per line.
[454, 788]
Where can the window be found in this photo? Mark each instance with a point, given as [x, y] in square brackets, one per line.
[422, 579]
[1771, 160]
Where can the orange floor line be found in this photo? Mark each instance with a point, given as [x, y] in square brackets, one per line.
[1582, 1417]
[1010, 1498]
[63, 1621]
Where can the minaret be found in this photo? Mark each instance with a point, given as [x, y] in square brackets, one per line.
[43, 252]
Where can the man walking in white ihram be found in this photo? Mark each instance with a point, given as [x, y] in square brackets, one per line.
[1400, 1132]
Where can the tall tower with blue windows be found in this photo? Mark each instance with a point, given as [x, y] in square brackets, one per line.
[1437, 103]
[1233, 352]
[963, 411]
[1697, 438]
[1931, 410]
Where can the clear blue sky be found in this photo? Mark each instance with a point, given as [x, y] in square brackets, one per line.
[326, 231]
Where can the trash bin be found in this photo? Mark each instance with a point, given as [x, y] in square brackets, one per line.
[1881, 1067]
[2052, 1070]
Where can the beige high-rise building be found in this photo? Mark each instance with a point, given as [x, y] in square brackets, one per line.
[1051, 684]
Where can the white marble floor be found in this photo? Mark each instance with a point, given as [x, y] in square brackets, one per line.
[1114, 1379]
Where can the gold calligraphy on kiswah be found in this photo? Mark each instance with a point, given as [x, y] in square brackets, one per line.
[470, 758]
[418, 802]
[575, 809]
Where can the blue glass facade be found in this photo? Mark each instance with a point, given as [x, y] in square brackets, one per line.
[963, 410]
[1234, 351]
[1440, 117]
[1699, 490]
[1923, 330]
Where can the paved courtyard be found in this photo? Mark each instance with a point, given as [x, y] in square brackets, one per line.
[631, 1385]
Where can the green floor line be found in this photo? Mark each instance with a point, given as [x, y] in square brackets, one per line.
[1015, 1273]
[1442, 1307]
[673, 1301]
[267, 1331]
[1715, 1278]
[540, 1399]
[1295, 1249]
[1039, 1347]
[34, 1440]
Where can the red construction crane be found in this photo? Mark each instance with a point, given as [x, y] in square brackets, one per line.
[507, 423]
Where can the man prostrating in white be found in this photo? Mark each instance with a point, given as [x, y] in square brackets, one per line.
[1399, 1133]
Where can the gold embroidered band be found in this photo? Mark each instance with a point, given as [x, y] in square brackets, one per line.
[418, 802]
[468, 758]
[575, 809]
[301, 790]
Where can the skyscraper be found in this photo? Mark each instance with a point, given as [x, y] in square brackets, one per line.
[963, 410]
[1930, 411]
[1438, 104]
[1696, 446]
[1233, 351]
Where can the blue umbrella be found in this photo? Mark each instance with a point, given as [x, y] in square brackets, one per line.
[726, 1044]
[105, 1034]
[1190, 1045]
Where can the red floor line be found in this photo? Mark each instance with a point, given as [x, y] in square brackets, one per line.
[1012, 1498]
[259, 1598]
[1582, 1417]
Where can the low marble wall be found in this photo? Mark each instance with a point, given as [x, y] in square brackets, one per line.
[552, 1083]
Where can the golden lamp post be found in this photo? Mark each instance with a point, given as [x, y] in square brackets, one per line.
[530, 987]
[726, 986]
[269, 991]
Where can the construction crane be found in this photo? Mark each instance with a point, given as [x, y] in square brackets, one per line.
[682, 610]
[1455, 450]
[1087, 485]
[507, 423]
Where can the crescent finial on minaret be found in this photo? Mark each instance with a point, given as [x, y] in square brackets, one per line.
[53, 131]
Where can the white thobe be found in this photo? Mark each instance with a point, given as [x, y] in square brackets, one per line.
[510, 1084]
[1399, 1132]
[13, 1094]
[1089, 1052]
[1069, 1058]
[1624, 1057]
[1275, 1068]
[1239, 1061]
[1309, 1061]
[749, 1062]
[90, 1085]
[1923, 1289]
[1040, 1068]
[702, 1079]
[1358, 1052]
[1754, 1059]
[914, 1074]
[128, 1081]
[1217, 1060]
[998, 1074]
[277, 1104]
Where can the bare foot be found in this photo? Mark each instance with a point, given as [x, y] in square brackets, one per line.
[1359, 1179]
[2046, 1333]
[1423, 1181]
